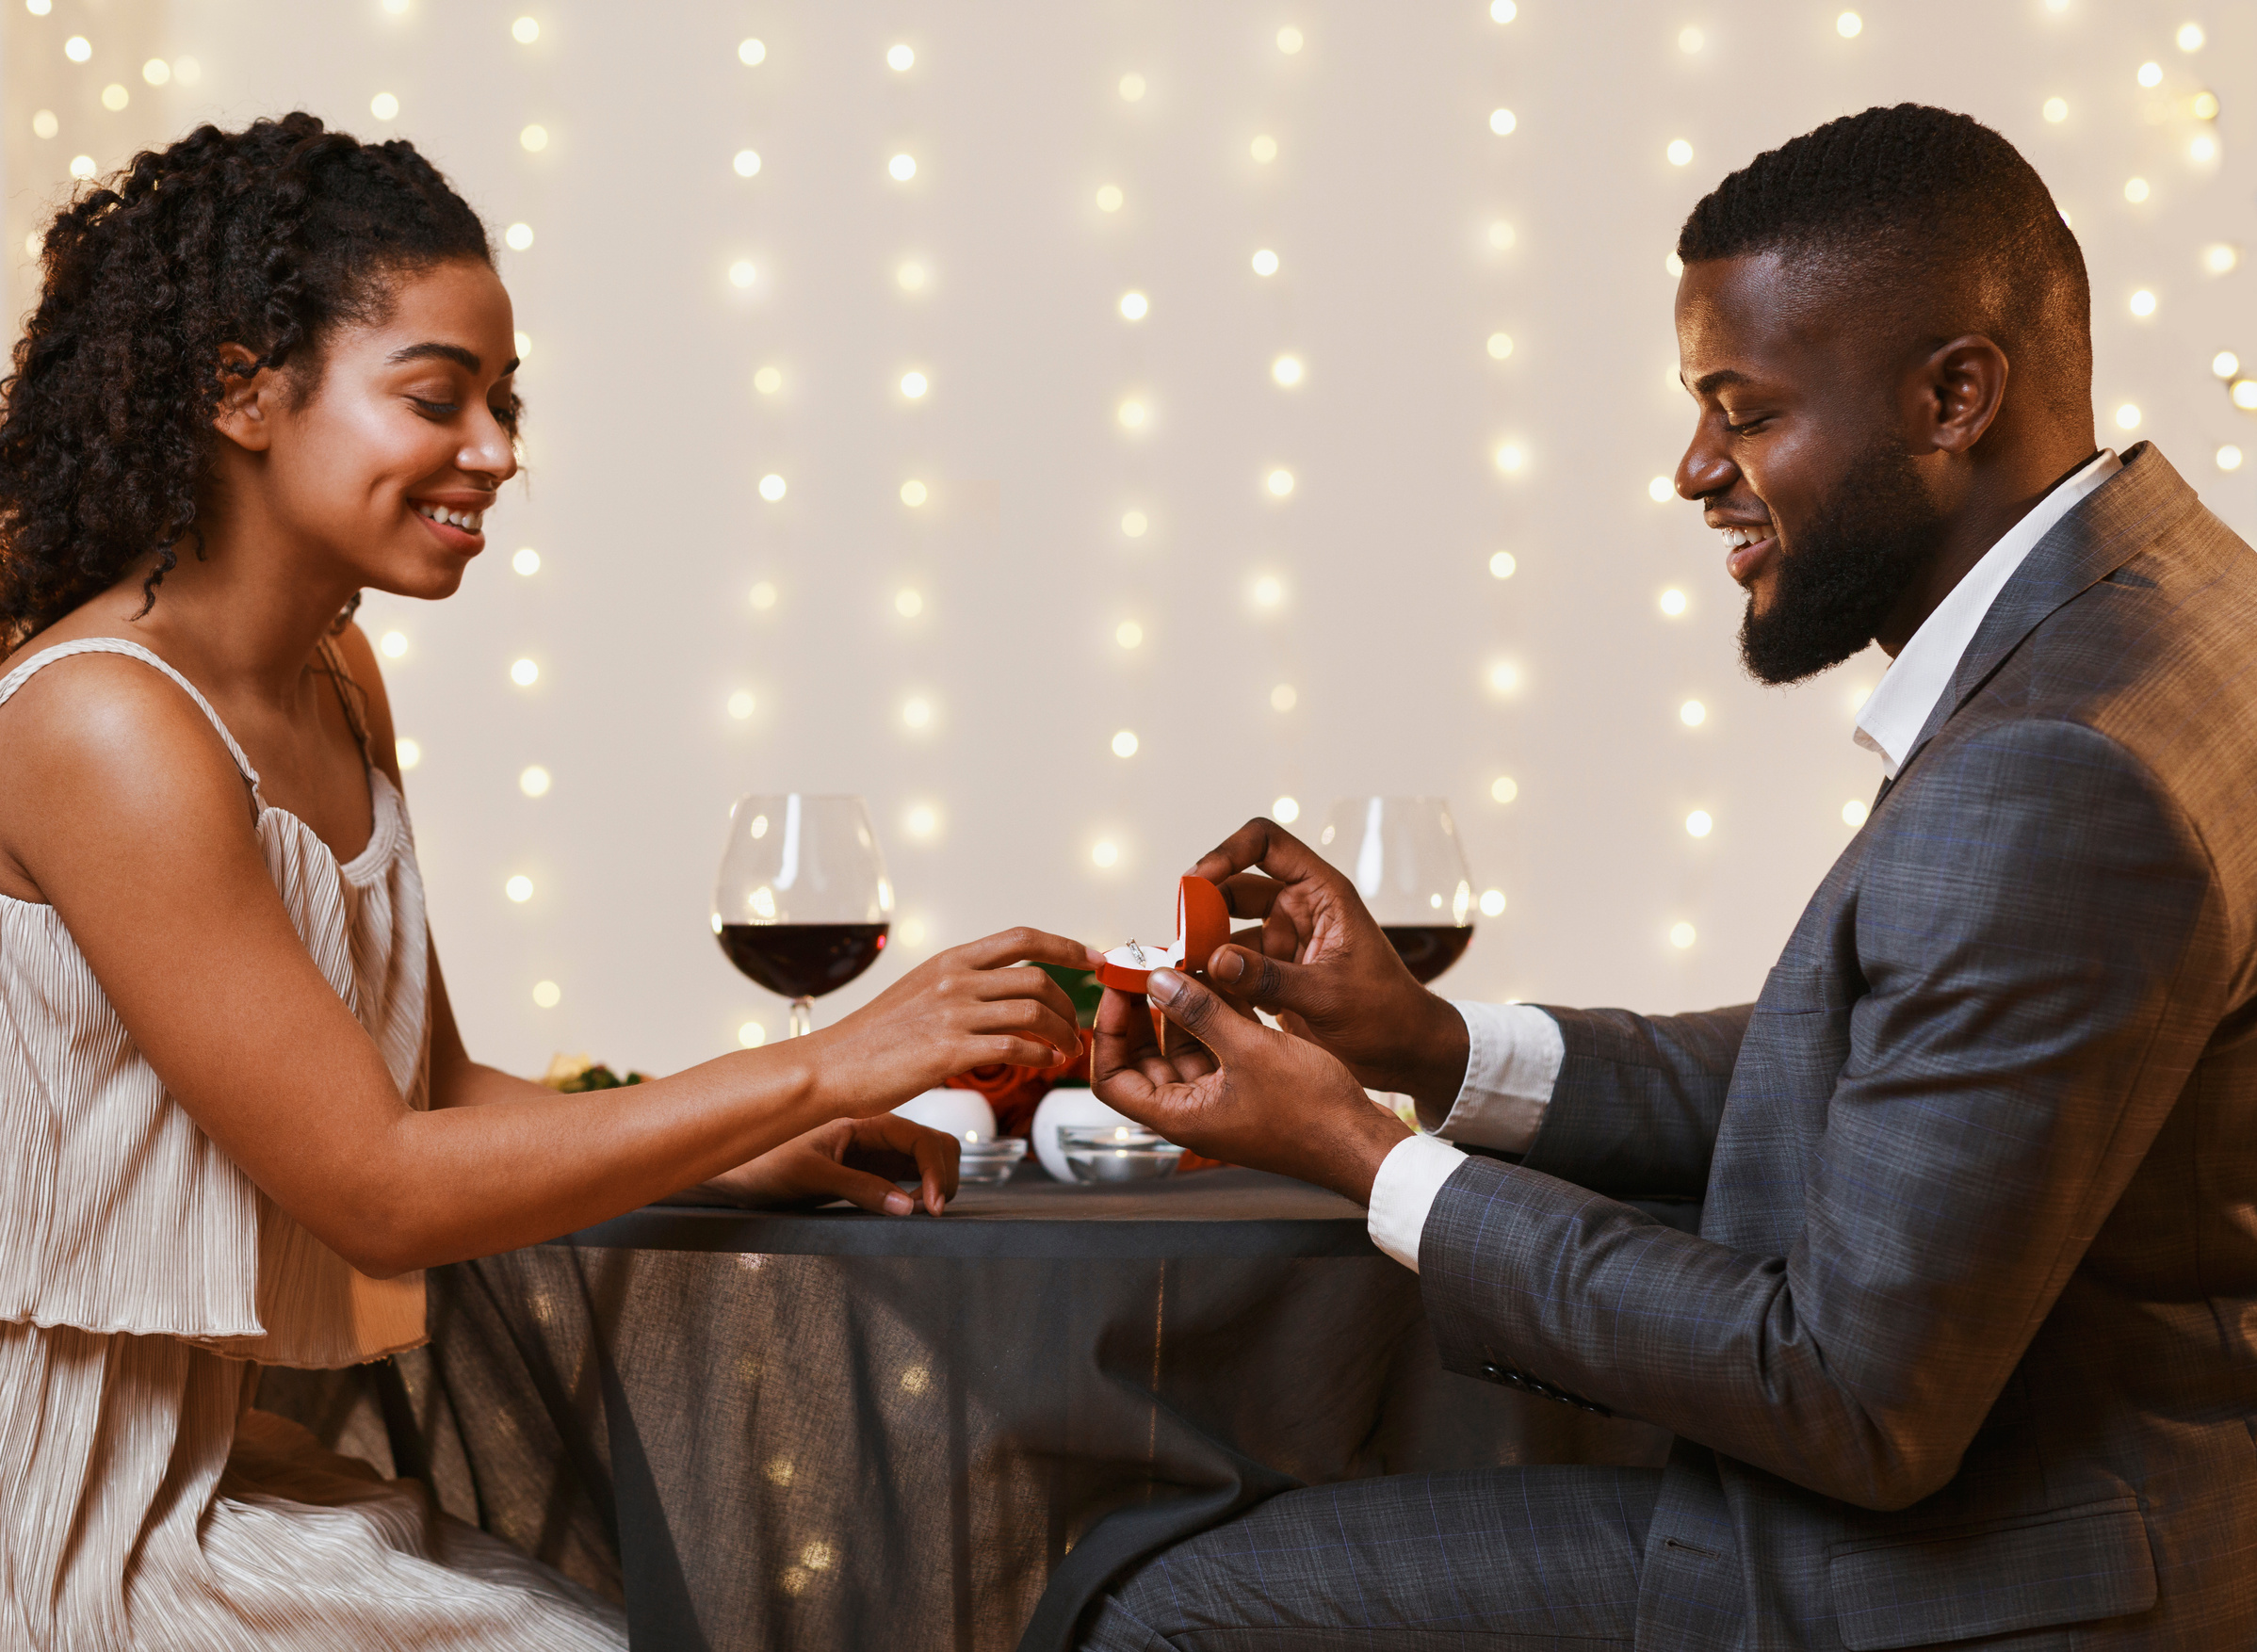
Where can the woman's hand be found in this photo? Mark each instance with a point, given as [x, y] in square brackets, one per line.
[968, 1006]
[1322, 964]
[1243, 1094]
[855, 1160]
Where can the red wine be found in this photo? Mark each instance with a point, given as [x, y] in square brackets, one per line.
[1427, 949]
[803, 960]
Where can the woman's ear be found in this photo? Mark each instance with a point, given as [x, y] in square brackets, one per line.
[247, 398]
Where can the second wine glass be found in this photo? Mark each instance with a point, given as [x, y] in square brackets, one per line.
[1404, 858]
[803, 905]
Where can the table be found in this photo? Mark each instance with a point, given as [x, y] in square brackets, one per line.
[825, 1430]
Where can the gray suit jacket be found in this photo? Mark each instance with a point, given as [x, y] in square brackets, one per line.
[1966, 1346]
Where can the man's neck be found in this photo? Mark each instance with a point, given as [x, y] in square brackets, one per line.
[1990, 507]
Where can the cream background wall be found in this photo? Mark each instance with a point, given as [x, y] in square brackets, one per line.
[1384, 202]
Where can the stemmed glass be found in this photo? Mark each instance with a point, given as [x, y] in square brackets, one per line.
[802, 906]
[1404, 856]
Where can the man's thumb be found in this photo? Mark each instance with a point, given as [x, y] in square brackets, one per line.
[1198, 1011]
[1264, 981]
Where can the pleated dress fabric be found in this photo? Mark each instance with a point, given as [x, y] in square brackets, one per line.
[143, 1278]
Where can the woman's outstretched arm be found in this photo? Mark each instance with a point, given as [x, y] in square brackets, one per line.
[126, 812]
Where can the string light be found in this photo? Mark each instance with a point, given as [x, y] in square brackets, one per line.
[1124, 743]
[1289, 39]
[1105, 852]
[524, 341]
[392, 644]
[1283, 698]
[1503, 565]
[384, 106]
[533, 139]
[1503, 10]
[908, 603]
[1680, 152]
[1129, 634]
[910, 276]
[44, 124]
[519, 888]
[2143, 303]
[1265, 262]
[914, 493]
[1504, 678]
[916, 712]
[901, 58]
[2135, 190]
[741, 706]
[922, 820]
[772, 487]
[742, 273]
[746, 162]
[78, 48]
[2228, 457]
[752, 1035]
[527, 561]
[1132, 88]
[2127, 417]
[752, 54]
[2056, 110]
[547, 995]
[525, 31]
[903, 167]
[1503, 789]
[1854, 812]
[914, 385]
[2205, 105]
[1132, 414]
[2245, 394]
[2151, 75]
[81, 165]
[1263, 149]
[1286, 371]
[1502, 235]
[409, 753]
[38, 8]
[525, 674]
[1501, 345]
[1673, 265]
[1681, 936]
[1510, 457]
[1133, 524]
[1698, 824]
[2190, 37]
[764, 597]
[533, 782]
[1692, 714]
[1673, 602]
[115, 97]
[1134, 306]
[1689, 40]
[187, 70]
[1492, 903]
[768, 381]
[1280, 483]
[1109, 198]
[2203, 150]
[2225, 364]
[1501, 121]
[1269, 591]
[1660, 491]
[519, 236]
[1850, 25]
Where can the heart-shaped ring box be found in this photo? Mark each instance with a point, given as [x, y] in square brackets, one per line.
[1202, 924]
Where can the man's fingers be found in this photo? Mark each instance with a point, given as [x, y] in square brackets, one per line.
[1200, 1012]
[1250, 894]
[1259, 979]
[1235, 853]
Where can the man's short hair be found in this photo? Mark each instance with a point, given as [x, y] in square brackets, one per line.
[1928, 220]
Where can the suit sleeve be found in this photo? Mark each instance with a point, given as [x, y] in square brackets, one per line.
[2044, 950]
[1634, 1110]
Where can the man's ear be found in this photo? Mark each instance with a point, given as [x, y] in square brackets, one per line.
[1964, 385]
[247, 400]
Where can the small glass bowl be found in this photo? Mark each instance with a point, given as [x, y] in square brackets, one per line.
[1117, 1153]
[985, 1164]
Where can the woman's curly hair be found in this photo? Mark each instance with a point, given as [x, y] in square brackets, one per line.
[267, 238]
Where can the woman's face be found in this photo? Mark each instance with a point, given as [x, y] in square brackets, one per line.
[386, 469]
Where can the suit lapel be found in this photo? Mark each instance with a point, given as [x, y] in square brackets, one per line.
[2105, 531]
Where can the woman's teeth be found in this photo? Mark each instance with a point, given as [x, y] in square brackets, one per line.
[466, 520]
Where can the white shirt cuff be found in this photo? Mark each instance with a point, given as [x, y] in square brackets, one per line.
[1513, 1056]
[1403, 1192]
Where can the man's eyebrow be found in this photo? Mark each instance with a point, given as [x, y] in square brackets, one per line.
[445, 352]
[1708, 384]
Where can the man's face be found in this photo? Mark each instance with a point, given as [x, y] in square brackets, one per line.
[1798, 458]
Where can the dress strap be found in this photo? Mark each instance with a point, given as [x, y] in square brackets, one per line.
[21, 674]
[333, 659]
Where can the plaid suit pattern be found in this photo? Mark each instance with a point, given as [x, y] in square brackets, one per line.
[1966, 1346]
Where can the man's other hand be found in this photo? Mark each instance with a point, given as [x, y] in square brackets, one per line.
[1322, 964]
[1243, 1094]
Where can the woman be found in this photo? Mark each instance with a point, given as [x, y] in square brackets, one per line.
[235, 1114]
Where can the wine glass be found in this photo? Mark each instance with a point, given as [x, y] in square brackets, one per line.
[1404, 856]
[803, 905]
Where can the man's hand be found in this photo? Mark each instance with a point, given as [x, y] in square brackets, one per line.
[1245, 1094]
[1323, 966]
[854, 1159]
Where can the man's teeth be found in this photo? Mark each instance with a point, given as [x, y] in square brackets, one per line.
[1738, 538]
[466, 520]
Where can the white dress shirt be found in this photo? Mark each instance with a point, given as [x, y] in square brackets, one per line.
[1514, 1051]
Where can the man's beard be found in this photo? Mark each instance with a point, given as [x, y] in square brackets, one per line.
[1848, 569]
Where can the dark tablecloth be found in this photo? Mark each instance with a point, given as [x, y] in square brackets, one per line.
[832, 1430]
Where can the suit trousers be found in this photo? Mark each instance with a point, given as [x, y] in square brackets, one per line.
[1513, 1560]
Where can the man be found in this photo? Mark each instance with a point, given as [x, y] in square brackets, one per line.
[1965, 1349]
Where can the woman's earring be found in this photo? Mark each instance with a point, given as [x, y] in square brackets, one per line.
[344, 619]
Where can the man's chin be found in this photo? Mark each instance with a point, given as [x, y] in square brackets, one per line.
[1780, 652]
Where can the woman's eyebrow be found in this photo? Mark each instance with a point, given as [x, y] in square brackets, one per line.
[447, 352]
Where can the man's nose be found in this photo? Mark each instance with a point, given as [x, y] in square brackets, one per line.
[1704, 471]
